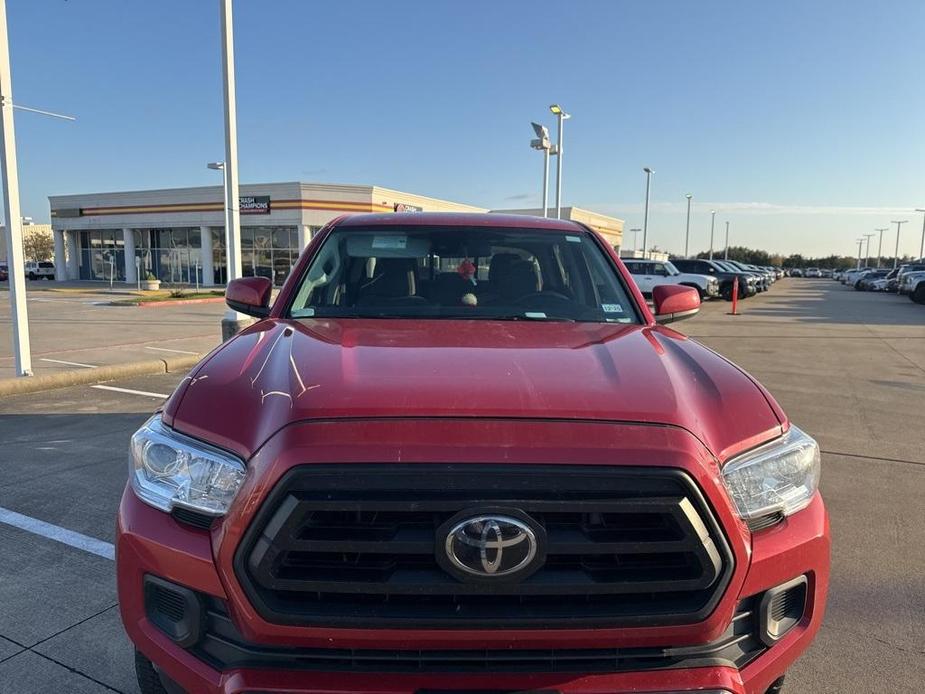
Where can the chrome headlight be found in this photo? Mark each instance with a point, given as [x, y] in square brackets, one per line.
[778, 477]
[168, 469]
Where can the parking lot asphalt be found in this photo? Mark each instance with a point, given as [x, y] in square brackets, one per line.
[848, 367]
[74, 329]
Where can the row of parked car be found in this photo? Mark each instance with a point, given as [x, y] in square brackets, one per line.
[907, 279]
[711, 278]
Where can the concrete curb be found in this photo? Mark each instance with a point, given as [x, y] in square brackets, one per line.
[35, 384]
[177, 302]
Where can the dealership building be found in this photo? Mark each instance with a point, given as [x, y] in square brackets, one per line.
[178, 235]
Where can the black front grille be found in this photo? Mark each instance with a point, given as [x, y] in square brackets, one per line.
[223, 647]
[355, 545]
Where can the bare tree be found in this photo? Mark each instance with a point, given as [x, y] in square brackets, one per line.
[37, 244]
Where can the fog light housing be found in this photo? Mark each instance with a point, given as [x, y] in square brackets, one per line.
[174, 610]
[781, 609]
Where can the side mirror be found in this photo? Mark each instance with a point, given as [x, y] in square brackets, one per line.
[674, 302]
[250, 295]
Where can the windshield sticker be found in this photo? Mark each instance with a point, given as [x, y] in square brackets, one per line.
[573, 239]
[611, 308]
[390, 242]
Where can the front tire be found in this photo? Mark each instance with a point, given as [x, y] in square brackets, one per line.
[148, 680]
[918, 296]
[32, 276]
[700, 292]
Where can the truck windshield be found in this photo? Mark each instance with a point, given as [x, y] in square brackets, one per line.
[461, 272]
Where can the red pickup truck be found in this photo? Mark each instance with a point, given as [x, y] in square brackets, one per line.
[458, 453]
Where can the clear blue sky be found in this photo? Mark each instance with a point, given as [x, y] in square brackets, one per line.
[801, 121]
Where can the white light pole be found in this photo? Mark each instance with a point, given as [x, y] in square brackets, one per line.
[898, 227]
[645, 216]
[880, 244]
[561, 116]
[687, 232]
[22, 352]
[233, 321]
[860, 242]
[635, 233]
[726, 252]
[922, 244]
[542, 143]
[712, 225]
[867, 253]
[220, 166]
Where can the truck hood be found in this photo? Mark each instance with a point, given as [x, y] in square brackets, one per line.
[283, 371]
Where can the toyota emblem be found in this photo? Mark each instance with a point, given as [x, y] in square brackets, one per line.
[491, 546]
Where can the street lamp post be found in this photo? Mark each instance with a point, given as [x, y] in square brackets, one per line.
[712, 225]
[22, 352]
[542, 143]
[898, 227]
[880, 244]
[860, 243]
[220, 166]
[233, 322]
[922, 244]
[560, 116]
[867, 254]
[726, 252]
[635, 233]
[687, 232]
[645, 217]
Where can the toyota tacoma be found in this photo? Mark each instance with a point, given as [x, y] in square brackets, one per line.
[459, 453]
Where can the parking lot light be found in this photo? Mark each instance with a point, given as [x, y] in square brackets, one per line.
[22, 351]
[867, 254]
[635, 233]
[726, 252]
[560, 116]
[542, 143]
[898, 227]
[860, 242]
[645, 215]
[712, 225]
[687, 232]
[922, 244]
[880, 244]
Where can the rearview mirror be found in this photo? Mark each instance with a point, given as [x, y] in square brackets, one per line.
[250, 296]
[674, 302]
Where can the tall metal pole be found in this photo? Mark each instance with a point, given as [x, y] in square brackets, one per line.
[922, 244]
[561, 118]
[645, 217]
[896, 253]
[233, 321]
[712, 225]
[635, 233]
[867, 254]
[546, 181]
[860, 241]
[880, 244]
[22, 352]
[687, 232]
[726, 252]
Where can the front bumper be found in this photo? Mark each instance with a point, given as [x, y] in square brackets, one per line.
[150, 542]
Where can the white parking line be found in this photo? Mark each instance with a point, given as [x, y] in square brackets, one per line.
[132, 392]
[165, 349]
[69, 363]
[58, 534]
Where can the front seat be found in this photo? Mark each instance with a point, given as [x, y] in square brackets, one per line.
[392, 283]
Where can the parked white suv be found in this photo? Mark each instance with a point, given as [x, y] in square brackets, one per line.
[41, 270]
[652, 273]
